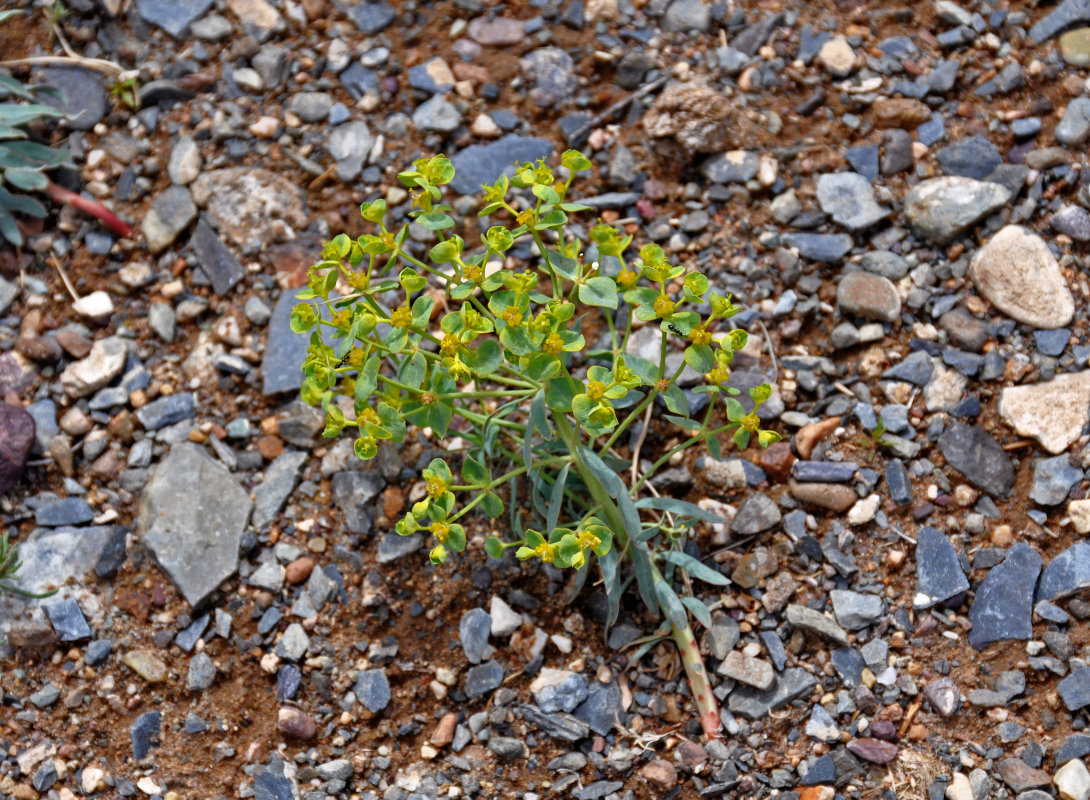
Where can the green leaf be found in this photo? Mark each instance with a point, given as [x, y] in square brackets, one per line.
[538, 418]
[444, 252]
[695, 568]
[473, 472]
[735, 410]
[679, 507]
[411, 280]
[392, 421]
[696, 283]
[421, 311]
[647, 371]
[700, 357]
[518, 340]
[565, 267]
[559, 393]
[760, 393]
[765, 438]
[303, 316]
[413, 371]
[645, 576]
[40, 154]
[439, 415]
[463, 290]
[676, 400]
[542, 366]
[599, 291]
[741, 438]
[492, 505]
[493, 545]
[611, 580]
[629, 514]
[698, 610]
[10, 229]
[30, 180]
[556, 497]
[671, 605]
[7, 132]
[598, 468]
[736, 339]
[546, 193]
[19, 114]
[715, 450]
[489, 357]
[683, 422]
[435, 221]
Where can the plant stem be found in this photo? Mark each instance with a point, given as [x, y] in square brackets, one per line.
[697, 674]
[59, 194]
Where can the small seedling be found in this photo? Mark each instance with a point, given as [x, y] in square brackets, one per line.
[9, 570]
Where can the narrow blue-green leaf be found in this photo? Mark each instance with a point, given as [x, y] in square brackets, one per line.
[629, 514]
[538, 419]
[556, 498]
[679, 507]
[696, 568]
[683, 422]
[645, 577]
[698, 610]
[603, 473]
[671, 605]
[611, 579]
[9, 229]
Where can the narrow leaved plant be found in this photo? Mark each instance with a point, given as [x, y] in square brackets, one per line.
[489, 341]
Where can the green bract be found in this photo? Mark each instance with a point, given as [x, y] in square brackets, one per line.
[496, 335]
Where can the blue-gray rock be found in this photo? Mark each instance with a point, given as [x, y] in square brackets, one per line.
[821, 773]
[358, 80]
[280, 479]
[473, 631]
[482, 679]
[43, 414]
[561, 726]
[753, 36]
[481, 164]
[194, 724]
[552, 72]
[757, 513]
[915, 368]
[173, 16]
[898, 482]
[1053, 479]
[1051, 342]
[188, 637]
[84, 96]
[45, 776]
[392, 547]
[370, 16]
[611, 200]
[864, 160]
[940, 209]
[1007, 80]
[215, 259]
[1026, 127]
[1075, 689]
[849, 665]
[826, 247]
[311, 106]
[170, 214]
[65, 511]
[942, 79]
[112, 554]
[1074, 127]
[143, 733]
[755, 704]
[350, 144]
[192, 514]
[1073, 221]
[372, 689]
[848, 198]
[98, 651]
[167, 410]
[68, 620]
[1068, 13]
[975, 454]
[202, 673]
[272, 784]
[437, 114]
[423, 76]
[603, 710]
[1003, 606]
[284, 350]
[939, 576]
[736, 166]
[855, 610]
[562, 695]
[354, 493]
[293, 643]
[686, 15]
[1067, 573]
[288, 679]
[974, 157]
[45, 696]
[1076, 745]
[824, 471]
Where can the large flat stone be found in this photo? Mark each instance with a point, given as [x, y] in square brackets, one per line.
[1019, 275]
[1053, 412]
[1003, 606]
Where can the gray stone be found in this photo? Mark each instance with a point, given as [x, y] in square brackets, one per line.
[976, 455]
[161, 320]
[1053, 479]
[826, 247]
[757, 513]
[939, 576]
[167, 410]
[272, 784]
[215, 259]
[1066, 574]
[84, 97]
[104, 363]
[974, 157]
[755, 704]
[170, 214]
[855, 610]
[354, 492]
[482, 679]
[473, 631]
[1018, 273]
[848, 198]
[943, 695]
[392, 547]
[482, 164]
[812, 621]
[1003, 607]
[311, 106]
[370, 16]
[143, 733]
[748, 670]
[437, 114]
[557, 690]
[185, 161]
[1074, 127]
[734, 166]
[1073, 221]
[284, 350]
[687, 15]
[822, 726]
[253, 206]
[940, 209]
[603, 710]
[350, 144]
[552, 72]
[869, 296]
[339, 769]
[173, 16]
[202, 673]
[293, 643]
[64, 511]
[191, 517]
[68, 620]
[372, 689]
[269, 576]
[280, 479]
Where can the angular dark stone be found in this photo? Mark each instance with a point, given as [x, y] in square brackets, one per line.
[756, 513]
[167, 410]
[564, 727]
[113, 551]
[821, 773]
[826, 247]
[756, 703]
[849, 665]
[1068, 13]
[85, 98]
[824, 471]
[215, 259]
[603, 710]
[915, 368]
[1076, 745]
[898, 482]
[974, 157]
[1075, 689]
[1053, 479]
[173, 16]
[372, 689]
[482, 679]
[143, 732]
[1003, 607]
[1067, 573]
[272, 784]
[370, 16]
[65, 511]
[938, 572]
[484, 163]
[68, 620]
[288, 679]
[284, 350]
[975, 454]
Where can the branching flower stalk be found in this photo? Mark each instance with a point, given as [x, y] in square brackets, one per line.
[534, 400]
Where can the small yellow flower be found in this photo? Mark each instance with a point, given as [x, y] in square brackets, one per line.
[474, 273]
[402, 317]
[450, 344]
[512, 316]
[552, 345]
[588, 541]
[440, 530]
[700, 336]
[664, 306]
[343, 318]
[437, 487]
[718, 375]
[596, 390]
[751, 423]
[525, 217]
[546, 552]
[368, 415]
[626, 278]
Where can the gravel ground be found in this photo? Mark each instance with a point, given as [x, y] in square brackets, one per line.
[897, 193]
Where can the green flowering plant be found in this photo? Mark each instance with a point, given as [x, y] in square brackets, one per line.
[464, 342]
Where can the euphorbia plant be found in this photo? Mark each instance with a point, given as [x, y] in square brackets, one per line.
[506, 365]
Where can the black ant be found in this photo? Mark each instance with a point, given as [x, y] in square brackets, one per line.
[674, 329]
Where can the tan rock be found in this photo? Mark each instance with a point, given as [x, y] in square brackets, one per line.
[837, 56]
[1019, 275]
[1052, 412]
[146, 664]
[1079, 513]
[900, 112]
[102, 365]
[444, 731]
[808, 436]
[833, 496]
[661, 773]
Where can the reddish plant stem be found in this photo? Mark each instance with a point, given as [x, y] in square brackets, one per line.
[698, 680]
[61, 195]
